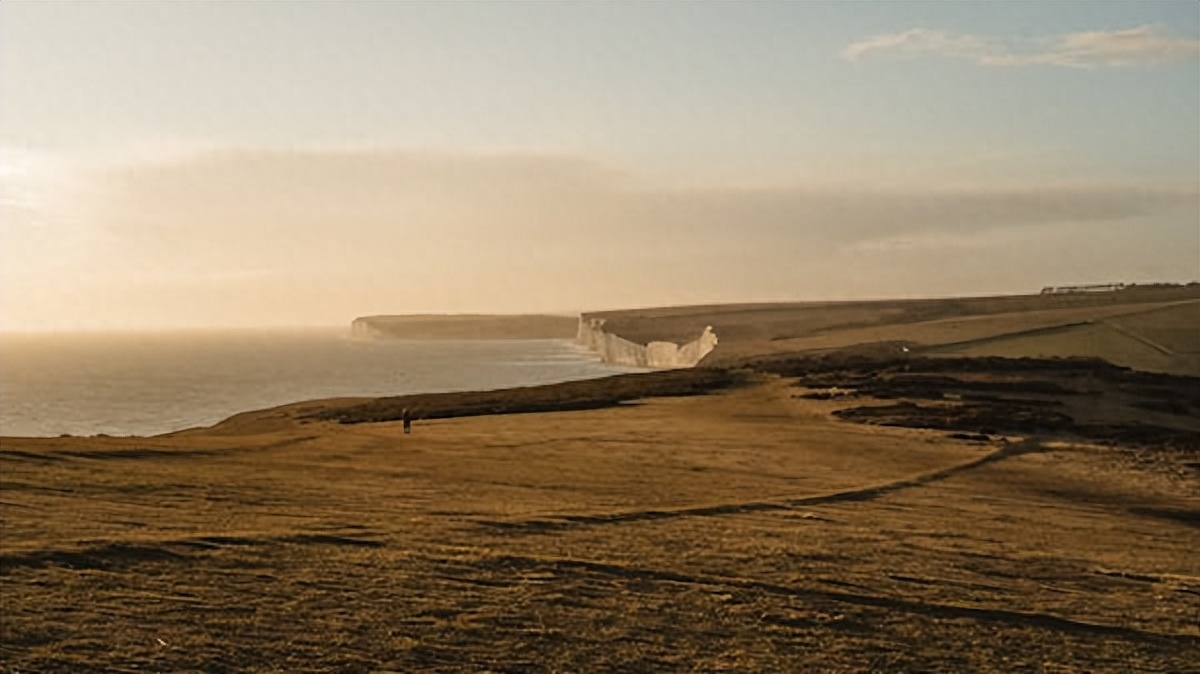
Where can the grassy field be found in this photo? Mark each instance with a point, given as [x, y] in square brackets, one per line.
[1149, 328]
[757, 520]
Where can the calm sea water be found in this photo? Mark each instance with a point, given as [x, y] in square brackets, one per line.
[150, 383]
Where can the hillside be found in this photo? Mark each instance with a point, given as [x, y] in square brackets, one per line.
[1149, 328]
[826, 513]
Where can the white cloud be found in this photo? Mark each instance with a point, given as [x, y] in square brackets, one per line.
[1144, 45]
[921, 41]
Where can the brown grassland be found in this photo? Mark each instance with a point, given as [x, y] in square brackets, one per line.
[796, 503]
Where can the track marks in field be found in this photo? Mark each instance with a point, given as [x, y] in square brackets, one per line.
[557, 570]
[139, 453]
[557, 523]
[116, 556]
[102, 557]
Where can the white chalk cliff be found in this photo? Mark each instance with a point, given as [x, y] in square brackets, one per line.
[621, 351]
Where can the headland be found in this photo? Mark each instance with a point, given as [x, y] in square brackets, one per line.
[970, 484]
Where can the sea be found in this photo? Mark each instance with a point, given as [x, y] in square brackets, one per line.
[158, 382]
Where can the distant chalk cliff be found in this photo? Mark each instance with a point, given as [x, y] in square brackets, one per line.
[588, 331]
[618, 350]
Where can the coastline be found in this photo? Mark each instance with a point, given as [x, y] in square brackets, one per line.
[146, 384]
[824, 509]
[670, 529]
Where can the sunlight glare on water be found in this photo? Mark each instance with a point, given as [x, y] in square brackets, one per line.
[150, 383]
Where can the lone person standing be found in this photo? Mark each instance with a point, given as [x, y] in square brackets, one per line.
[407, 417]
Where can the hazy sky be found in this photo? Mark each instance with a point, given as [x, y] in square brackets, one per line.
[272, 163]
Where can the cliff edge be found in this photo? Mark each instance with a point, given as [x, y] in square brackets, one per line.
[655, 354]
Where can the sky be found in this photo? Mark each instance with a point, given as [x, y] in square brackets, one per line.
[179, 165]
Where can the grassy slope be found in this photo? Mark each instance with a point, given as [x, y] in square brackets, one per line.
[747, 530]
[776, 321]
[750, 529]
[1114, 326]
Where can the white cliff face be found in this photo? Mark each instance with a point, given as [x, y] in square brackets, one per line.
[620, 351]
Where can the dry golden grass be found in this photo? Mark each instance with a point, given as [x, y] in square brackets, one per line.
[1148, 330]
[748, 530]
[748, 328]
[743, 527]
